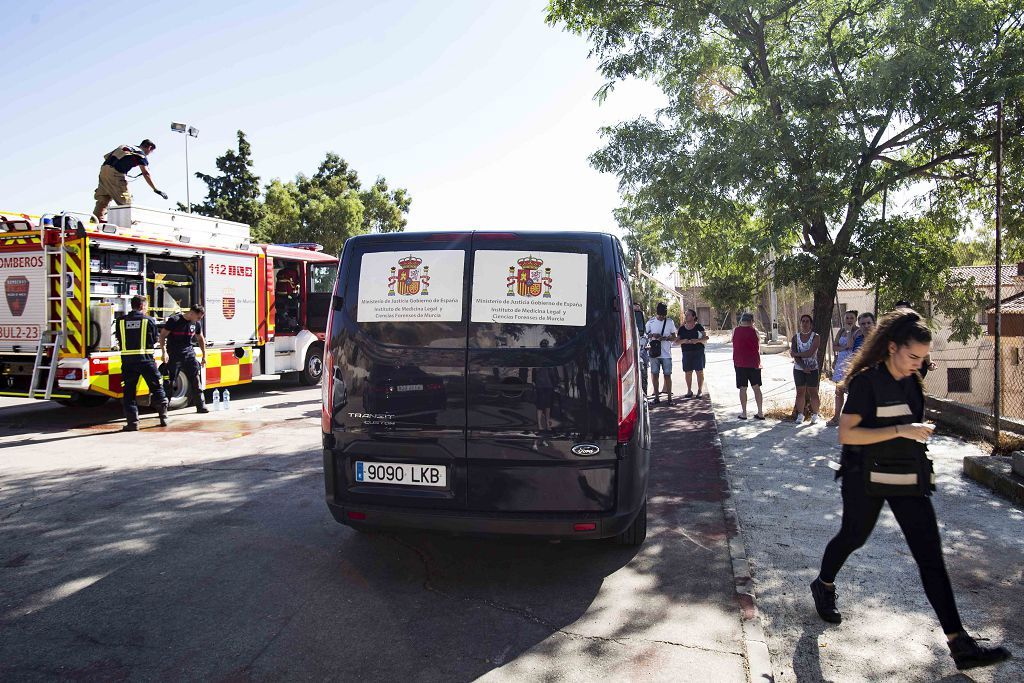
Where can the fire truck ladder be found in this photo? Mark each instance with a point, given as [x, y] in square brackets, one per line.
[53, 334]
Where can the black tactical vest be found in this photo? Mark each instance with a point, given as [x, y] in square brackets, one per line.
[896, 467]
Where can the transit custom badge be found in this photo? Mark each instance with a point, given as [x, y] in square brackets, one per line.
[409, 279]
[16, 289]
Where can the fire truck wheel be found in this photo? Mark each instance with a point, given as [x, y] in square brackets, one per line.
[83, 401]
[179, 395]
[313, 369]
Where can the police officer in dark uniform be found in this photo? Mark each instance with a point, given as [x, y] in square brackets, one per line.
[176, 343]
[136, 333]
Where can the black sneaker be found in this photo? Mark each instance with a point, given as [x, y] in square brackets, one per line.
[130, 427]
[688, 394]
[825, 602]
[202, 409]
[967, 654]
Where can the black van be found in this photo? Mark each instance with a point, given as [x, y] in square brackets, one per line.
[486, 382]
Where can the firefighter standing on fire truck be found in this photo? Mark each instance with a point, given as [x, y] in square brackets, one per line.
[113, 181]
[177, 336]
[136, 333]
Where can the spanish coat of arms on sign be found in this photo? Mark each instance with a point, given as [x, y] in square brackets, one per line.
[409, 278]
[527, 279]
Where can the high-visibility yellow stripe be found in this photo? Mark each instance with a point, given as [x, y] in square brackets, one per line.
[142, 340]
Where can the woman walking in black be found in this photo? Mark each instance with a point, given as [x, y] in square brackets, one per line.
[884, 460]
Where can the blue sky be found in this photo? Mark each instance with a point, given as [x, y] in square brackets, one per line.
[481, 110]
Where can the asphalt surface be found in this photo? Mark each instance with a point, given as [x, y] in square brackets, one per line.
[789, 507]
[204, 551]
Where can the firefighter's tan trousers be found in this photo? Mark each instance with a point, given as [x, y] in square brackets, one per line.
[113, 187]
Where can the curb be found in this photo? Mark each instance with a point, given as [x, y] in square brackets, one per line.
[996, 473]
[759, 661]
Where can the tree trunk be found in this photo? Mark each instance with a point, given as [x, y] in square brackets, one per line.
[825, 287]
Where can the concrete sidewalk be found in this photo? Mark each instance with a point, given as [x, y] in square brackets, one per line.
[789, 507]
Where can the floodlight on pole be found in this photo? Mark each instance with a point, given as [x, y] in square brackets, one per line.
[189, 132]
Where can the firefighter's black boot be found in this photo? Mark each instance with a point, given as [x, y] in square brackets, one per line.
[163, 414]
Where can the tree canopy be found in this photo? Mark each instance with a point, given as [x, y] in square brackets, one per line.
[327, 208]
[787, 121]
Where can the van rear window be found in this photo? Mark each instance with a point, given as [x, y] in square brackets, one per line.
[411, 298]
[534, 299]
[530, 288]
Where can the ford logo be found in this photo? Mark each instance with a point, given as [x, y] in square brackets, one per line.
[585, 449]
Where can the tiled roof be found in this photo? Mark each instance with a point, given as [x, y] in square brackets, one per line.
[985, 276]
[1011, 304]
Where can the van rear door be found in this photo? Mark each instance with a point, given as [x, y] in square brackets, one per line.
[542, 378]
[398, 350]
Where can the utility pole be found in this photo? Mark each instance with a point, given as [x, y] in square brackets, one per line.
[998, 379]
[773, 302]
[885, 204]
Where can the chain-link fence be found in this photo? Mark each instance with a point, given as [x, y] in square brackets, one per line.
[962, 387]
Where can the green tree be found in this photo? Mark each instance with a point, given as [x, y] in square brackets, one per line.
[330, 206]
[234, 194]
[806, 111]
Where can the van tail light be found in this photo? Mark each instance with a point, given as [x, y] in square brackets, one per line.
[327, 392]
[629, 410]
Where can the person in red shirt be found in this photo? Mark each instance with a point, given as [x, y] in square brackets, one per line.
[746, 357]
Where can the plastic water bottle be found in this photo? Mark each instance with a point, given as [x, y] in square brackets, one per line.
[226, 403]
[216, 399]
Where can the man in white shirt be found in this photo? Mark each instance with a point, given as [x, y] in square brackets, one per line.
[661, 330]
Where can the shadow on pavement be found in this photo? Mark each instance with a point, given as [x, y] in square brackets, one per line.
[234, 569]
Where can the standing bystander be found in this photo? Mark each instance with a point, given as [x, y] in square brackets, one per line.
[806, 372]
[746, 358]
[692, 338]
[661, 331]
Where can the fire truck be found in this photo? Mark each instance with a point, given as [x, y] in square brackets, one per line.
[67, 280]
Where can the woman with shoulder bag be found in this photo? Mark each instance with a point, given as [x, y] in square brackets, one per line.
[884, 460]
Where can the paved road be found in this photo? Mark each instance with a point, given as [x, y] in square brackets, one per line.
[205, 551]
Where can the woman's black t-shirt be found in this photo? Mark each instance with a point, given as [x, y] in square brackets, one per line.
[696, 333]
[860, 399]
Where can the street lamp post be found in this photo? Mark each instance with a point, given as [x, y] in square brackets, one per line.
[189, 132]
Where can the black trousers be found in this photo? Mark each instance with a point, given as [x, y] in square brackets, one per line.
[193, 369]
[916, 518]
[130, 373]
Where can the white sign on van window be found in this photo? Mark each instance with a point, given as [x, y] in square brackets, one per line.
[409, 286]
[530, 287]
[230, 287]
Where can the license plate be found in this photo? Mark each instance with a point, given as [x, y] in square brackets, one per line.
[401, 474]
[410, 387]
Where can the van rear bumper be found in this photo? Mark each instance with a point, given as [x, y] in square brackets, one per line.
[553, 525]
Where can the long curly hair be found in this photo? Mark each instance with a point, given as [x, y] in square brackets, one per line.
[901, 326]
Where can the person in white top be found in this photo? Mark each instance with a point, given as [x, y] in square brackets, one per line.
[806, 372]
[661, 331]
